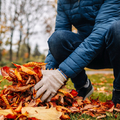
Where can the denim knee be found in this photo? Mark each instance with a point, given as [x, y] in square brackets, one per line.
[62, 43]
[56, 39]
[113, 36]
[56, 45]
[116, 30]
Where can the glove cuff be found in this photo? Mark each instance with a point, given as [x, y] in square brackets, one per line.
[63, 74]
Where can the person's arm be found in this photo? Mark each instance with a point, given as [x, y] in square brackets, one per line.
[62, 23]
[62, 20]
[51, 63]
[93, 44]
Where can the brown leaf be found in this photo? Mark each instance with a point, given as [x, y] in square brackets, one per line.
[117, 110]
[74, 109]
[118, 105]
[19, 89]
[29, 79]
[111, 109]
[87, 107]
[2, 117]
[78, 101]
[32, 103]
[102, 116]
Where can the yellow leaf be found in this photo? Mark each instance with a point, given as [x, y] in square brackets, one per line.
[42, 113]
[27, 70]
[6, 112]
[18, 75]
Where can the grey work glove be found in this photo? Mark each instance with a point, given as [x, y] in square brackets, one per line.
[52, 80]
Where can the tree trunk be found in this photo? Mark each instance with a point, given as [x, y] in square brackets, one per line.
[28, 47]
[19, 40]
[11, 44]
[19, 45]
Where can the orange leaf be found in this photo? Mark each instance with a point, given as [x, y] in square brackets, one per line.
[67, 94]
[62, 108]
[18, 109]
[25, 69]
[17, 73]
[38, 71]
[33, 64]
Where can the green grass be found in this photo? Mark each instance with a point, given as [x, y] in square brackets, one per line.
[87, 117]
[102, 89]
[3, 83]
[102, 83]
[103, 86]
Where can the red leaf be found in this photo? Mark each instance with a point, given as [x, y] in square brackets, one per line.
[9, 116]
[5, 71]
[74, 93]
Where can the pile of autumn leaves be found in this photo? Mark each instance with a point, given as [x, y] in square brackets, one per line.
[16, 101]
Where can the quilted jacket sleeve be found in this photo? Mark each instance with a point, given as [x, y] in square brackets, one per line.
[62, 21]
[51, 62]
[92, 45]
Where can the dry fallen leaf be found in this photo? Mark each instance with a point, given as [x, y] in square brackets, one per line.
[42, 113]
[6, 112]
[2, 117]
[102, 116]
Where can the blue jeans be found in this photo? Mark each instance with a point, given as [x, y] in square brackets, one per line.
[109, 57]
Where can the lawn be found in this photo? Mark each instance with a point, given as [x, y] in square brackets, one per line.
[103, 86]
[3, 83]
[102, 83]
[102, 90]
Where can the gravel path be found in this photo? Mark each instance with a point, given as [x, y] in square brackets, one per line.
[94, 72]
[99, 72]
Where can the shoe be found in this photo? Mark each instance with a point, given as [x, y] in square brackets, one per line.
[116, 97]
[85, 91]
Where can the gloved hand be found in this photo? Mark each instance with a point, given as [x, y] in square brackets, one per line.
[52, 80]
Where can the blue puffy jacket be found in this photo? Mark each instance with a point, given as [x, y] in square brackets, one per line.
[91, 17]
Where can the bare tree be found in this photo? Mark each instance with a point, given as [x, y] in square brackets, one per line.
[21, 24]
[13, 18]
[33, 14]
[3, 25]
[20, 39]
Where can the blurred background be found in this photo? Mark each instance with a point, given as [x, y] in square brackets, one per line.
[25, 26]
